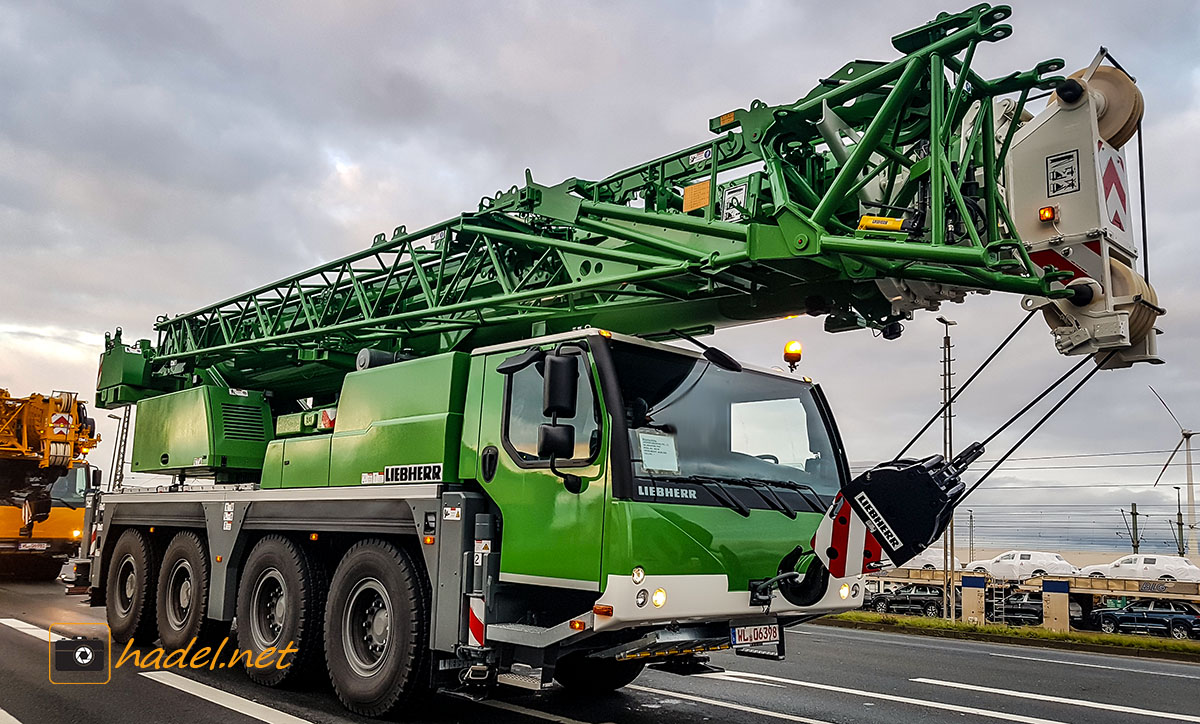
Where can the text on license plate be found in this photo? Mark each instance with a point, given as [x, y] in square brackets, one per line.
[32, 546]
[754, 635]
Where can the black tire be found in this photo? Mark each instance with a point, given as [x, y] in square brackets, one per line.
[979, 569]
[932, 610]
[585, 676]
[182, 602]
[1108, 625]
[1095, 574]
[1180, 631]
[281, 600]
[1038, 572]
[131, 585]
[1166, 577]
[388, 667]
[881, 606]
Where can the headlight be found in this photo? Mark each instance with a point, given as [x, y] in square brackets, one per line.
[659, 599]
[844, 591]
[639, 575]
[76, 533]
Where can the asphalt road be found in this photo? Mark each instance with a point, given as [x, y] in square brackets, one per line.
[831, 675]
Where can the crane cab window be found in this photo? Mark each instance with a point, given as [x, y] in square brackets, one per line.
[523, 415]
[70, 488]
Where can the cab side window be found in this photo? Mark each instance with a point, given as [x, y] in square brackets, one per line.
[523, 415]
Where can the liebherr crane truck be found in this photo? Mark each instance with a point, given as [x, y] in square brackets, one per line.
[464, 456]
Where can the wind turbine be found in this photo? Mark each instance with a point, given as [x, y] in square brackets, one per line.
[1185, 441]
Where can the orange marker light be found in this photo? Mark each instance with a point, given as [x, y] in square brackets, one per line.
[312, 536]
[601, 610]
[428, 540]
[1046, 214]
[219, 559]
[578, 624]
[792, 352]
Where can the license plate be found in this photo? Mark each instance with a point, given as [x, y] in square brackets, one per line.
[33, 546]
[741, 636]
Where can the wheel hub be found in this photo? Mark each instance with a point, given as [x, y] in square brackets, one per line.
[367, 626]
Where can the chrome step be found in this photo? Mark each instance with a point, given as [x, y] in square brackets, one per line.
[525, 681]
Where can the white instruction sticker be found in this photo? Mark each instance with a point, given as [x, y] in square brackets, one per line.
[1062, 173]
[732, 202]
[658, 451]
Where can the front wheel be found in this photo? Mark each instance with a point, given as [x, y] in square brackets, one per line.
[377, 629]
[582, 675]
[1108, 625]
[881, 606]
[1095, 574]
[1179, 631]
[1166, 577]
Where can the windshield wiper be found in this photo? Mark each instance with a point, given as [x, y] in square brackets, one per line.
[767, 494]
[799, 488]
[716, 486]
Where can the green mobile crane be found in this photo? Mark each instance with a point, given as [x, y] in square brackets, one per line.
[463, 456]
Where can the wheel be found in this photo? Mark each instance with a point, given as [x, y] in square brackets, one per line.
[1179, 631]
[132, 574]
[1038, 572]
[1166, 577]
[932, 610]
[377, 629]
[980, 569]
[582, 675]
[928, 567]
[182, 601]
[881, 606]
[1095, 574]
[1108, 625]
[281, 600]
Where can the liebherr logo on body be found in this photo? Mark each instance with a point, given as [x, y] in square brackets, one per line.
[431, 473]
[659, 491]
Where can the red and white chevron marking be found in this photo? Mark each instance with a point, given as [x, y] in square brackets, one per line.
[843, 542]
[475, 618]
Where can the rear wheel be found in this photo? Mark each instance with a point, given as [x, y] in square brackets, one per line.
[132, 575]
[281, 601]
[1166, 577]
[1108, 625]
[881, 606]
[1095, 574]
[582, 675]
[1039, 572]
[1179, 631]
[182, 602]
[980, 569]
[377, 629]
[932, 610]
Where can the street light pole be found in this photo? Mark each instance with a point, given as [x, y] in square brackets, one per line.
[970, 534]
[948, 454]
[1179, 520]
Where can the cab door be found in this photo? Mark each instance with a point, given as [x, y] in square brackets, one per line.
[551, 536]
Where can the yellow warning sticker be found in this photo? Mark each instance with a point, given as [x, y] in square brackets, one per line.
[695, 196]
[726, 119]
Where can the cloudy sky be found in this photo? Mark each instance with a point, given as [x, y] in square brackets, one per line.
[156, 156]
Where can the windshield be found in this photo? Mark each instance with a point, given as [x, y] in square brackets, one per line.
[693, 424]
[70, 488]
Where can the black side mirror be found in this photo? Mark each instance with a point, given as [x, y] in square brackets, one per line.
[560, 385]
[556, 441]
[94, 479]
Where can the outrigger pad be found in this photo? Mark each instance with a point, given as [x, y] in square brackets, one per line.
[897, 509]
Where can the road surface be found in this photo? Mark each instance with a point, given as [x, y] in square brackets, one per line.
[831, 676]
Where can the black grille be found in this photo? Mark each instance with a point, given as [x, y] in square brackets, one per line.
[242, 422]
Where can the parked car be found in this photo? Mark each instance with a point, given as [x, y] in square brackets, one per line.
[931, 559]
[1163, 568]
[1025, 608]
[1177, 619]
[916, 598]
[1019, 565]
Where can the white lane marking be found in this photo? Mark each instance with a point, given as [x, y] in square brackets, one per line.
[223, 698]
[1006, 716]
[535, 713]
[1031, 658]
[6, 718]
[1096, 666]
[1061, 700]
[802, 633]
[727, 677]
[727, 705]
[28, 628]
